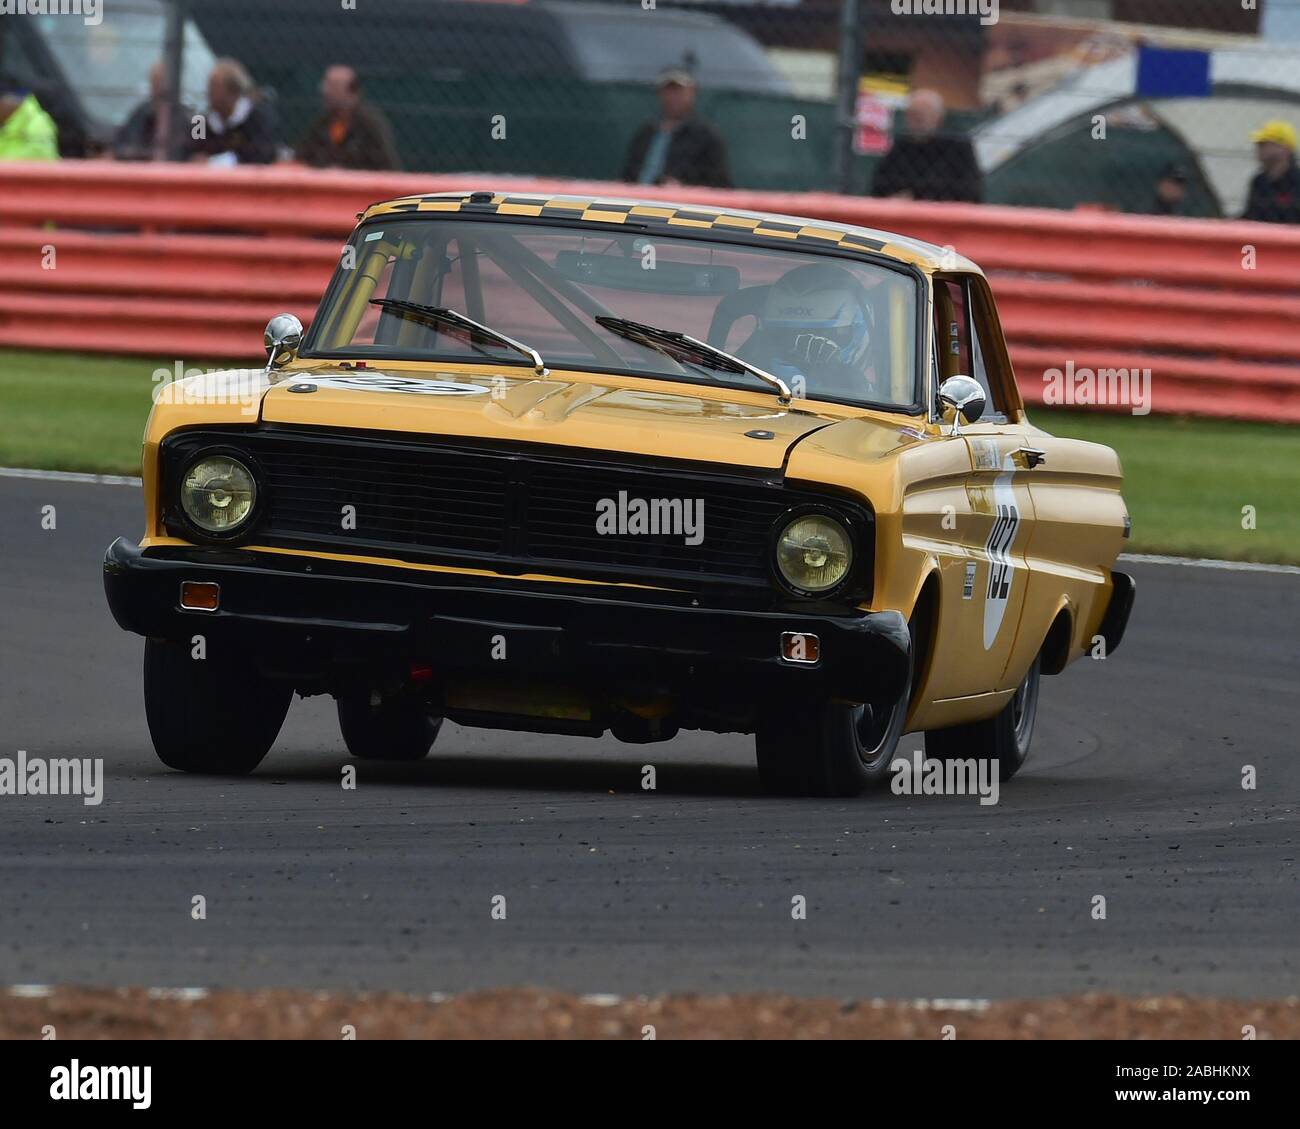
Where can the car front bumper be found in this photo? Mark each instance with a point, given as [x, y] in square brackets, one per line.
[317, 620]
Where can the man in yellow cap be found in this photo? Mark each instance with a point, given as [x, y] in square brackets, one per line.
[1275, 191]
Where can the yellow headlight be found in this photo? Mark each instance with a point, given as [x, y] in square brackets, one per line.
[218, 493]
[814, 553]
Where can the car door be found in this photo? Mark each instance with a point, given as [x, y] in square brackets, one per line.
[968, 342]
[1078, 520]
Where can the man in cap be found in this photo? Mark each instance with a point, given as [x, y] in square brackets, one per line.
[1275, 191]
[677, 147]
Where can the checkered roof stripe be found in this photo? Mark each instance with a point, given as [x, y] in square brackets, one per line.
[679, 219]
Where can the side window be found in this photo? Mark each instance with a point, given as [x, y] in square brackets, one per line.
[959, 350]
[997, 408]
[951, 335]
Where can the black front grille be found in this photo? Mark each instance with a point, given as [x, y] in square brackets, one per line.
[455, 503]
[508, 509]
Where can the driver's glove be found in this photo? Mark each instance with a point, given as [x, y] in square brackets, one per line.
[813, 350]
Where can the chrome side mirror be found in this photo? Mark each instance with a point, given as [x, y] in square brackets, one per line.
[962, 400]
[283, 339]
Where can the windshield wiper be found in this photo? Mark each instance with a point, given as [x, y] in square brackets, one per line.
[669, 341]
[441, 315]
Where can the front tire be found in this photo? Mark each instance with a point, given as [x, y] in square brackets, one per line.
[1005, 737]
[831, 749]
[396, 729]
[215, 716]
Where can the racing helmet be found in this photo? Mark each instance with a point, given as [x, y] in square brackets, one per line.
[817, 318]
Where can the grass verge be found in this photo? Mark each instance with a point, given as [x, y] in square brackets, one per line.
[63, 411]
[1187, 482]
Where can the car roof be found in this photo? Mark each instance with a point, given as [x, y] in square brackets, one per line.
[682, 219]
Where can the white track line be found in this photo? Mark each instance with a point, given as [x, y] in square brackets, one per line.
[591, 999]
[70, 476]
[1136, 558]
[185, 994]
[1226, 566]
[961, 1004]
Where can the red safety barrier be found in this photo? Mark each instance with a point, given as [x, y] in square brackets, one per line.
[150, 258]
[1179, 385]
[1074, 316]
[186, 266]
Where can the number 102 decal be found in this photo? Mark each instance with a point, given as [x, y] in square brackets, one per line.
[1006, 524]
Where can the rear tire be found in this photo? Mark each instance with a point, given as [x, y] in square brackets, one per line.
[398, 729]
[1005, 737]
[216, 716]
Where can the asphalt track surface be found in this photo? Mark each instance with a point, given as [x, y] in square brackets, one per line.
[1133, 792]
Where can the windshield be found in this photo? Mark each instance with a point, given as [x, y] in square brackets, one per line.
[832, 328]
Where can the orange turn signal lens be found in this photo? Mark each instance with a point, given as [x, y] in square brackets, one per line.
[200, 596]
[800, 647]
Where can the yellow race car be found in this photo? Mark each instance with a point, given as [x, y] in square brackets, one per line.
[583, 466]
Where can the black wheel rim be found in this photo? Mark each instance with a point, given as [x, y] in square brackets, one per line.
[872, 725]
[1023, 708]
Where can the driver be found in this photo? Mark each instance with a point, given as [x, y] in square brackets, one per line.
[816, 325]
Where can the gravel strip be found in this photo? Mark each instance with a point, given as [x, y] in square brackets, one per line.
[138, 1013]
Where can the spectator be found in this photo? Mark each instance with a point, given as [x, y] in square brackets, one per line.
[925, 164]
[1275, 191]
[1171, 191]
[150, 134]
[240, 127]
[351, 133]
[677, 147]
[27, 133]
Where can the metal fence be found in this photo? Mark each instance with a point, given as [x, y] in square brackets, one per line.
[1128, 105]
